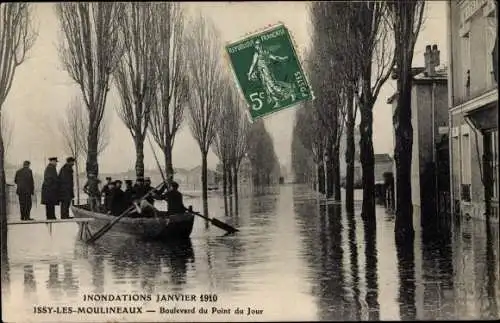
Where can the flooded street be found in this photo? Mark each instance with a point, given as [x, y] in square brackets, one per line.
[293, 258]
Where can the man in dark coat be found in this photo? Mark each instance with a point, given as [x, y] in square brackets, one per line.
[118, 202]
[66, 187]
[91, 188]
[25, 189]
[174, 200]
[50, 189]
[106, 191]
[129, 192]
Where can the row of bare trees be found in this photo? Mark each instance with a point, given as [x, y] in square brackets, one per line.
[17, 37]
[356, 46]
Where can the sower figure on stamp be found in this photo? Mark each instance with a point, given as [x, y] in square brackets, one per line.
[260, 69]
[50, 189]
[25, 189]
[66, 187]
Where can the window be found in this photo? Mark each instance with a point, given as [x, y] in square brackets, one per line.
[466, 168]
[465, 63]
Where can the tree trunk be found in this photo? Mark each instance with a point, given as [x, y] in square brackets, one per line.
[139, 156]
[321, 179]
[224, 186]
[402, 156]
[204, 182]
[3, 201]
[235, 186]
[92, 165]
[349, 156]
[336, 174]
[77, 179]
[367, 160]
[229, 180]
[169, 168]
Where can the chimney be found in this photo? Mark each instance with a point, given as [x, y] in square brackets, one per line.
[431, 57]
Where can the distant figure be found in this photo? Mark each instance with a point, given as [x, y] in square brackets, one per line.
[147, 188]
[91, 188]
[129, 192]
[118, 202]
[50, 189]
[106, 191]
[108, 199]
[389, 191]
[25, 189]
[66, 187]
[174, 200]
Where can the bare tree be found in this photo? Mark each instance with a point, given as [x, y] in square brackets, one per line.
[406, 19]
[240, 134]
[72, 126]
[7, 128]
[172, 91]
[135, 75]
[374, 60]
[90, 50]
[17, 37]
[206, 81]
[103, 134]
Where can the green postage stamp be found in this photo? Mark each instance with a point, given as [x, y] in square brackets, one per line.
[268, 71]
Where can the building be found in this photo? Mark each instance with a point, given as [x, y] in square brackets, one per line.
[429, 111]
[357, 164]
[193, 179]
[383, 164]
[473, 107]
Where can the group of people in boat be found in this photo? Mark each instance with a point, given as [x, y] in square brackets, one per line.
[58, 188]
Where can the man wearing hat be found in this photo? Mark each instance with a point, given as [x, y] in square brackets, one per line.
[66, 193]
[25, 189]
[91, 188]
[50, 189]
[106, 191]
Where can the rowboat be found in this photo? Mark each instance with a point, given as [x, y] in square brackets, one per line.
[162, 227]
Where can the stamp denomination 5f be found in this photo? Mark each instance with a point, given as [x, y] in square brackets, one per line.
[268, 71]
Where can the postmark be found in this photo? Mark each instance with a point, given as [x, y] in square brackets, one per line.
[268, 71]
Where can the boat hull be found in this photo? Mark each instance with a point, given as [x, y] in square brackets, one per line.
[171, 227]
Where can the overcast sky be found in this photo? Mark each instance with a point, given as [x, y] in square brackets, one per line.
[42, 89]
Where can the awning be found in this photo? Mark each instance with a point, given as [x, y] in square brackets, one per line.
[485, 118]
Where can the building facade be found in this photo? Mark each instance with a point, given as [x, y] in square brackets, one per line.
[473, 108]
[430, 152]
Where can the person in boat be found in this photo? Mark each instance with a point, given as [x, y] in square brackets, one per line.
[174, 199]
[108, 200]
[25, 189]
[91, 188]
[153, 196]
[129, 192]
[117, 197]
[66, 187]
[50, 189]
[106, 191]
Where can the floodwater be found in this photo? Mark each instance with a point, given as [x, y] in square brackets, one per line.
[293, 258]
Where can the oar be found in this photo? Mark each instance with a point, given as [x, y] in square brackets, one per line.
[109, 225]
[215, 222]
[219, 224]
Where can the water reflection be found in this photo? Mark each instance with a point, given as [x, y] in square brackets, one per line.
[371, 256]
[29, 280]
[353, 258]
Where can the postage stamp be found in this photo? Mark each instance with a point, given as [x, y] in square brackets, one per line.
[268, 71]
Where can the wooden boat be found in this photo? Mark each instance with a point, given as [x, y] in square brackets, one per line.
[163, 227]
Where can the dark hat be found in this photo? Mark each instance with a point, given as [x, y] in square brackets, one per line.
[26, 163]
[53, 159]
[118, 181]
[70, 159]
[108, 178]
[128, 181]
[175, 185]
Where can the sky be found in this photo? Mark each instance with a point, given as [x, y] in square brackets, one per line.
[42, 90]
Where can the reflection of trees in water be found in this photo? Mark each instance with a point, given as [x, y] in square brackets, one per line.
[491, 310]
[353, 252]
[97, 264]
[29, 281]
[437, 267]
[371, 276]
[406, 269]
[70, 282]
[132, 260]
[5, 271]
